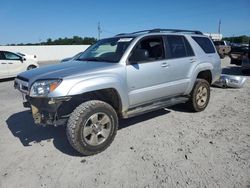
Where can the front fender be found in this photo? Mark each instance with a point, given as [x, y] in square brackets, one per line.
[98, 83]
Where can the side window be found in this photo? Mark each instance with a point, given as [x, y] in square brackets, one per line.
[189, 49]
[148, 49]
[176, 46]
[2, 56]
[205, 44]
[11, 56]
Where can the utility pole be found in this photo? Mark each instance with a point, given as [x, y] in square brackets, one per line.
[99, 30]
[219, 26]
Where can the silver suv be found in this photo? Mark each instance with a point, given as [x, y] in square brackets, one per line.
[120, 77]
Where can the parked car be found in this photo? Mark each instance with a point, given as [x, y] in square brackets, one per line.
[71, 58]
[121, 77]
[245, 66]
[222, 47]
[236, 54]
[12, 64]
[27, 56]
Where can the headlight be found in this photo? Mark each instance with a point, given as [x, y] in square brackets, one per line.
[43, 87]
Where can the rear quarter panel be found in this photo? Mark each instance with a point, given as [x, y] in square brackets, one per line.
[203, 62]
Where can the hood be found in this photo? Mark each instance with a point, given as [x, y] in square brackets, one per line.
[64, 70]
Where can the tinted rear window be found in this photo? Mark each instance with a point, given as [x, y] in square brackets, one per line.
[205, 44]
[178, 47]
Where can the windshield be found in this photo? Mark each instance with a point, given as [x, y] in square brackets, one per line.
[107, 50]
[20, 54]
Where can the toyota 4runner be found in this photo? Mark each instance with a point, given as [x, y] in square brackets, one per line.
[120, 77]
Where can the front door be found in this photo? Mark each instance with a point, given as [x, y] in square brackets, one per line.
[15, 64]
[146, 71]
[4, 72]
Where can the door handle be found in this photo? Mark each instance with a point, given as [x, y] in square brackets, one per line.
[192, 60]
[10, 63]
[165, 65]
[3, 63]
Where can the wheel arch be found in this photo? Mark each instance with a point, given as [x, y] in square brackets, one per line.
[31, 65]
[202, 71]
[108, 95]
[206, 75]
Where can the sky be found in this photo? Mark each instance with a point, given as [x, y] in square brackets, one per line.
[30, 21]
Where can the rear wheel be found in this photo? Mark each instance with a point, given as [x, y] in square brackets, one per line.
[92, 127]
[200, 95]
[31, 67]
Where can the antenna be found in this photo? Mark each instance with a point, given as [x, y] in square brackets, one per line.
[219, 26]
[99, 30]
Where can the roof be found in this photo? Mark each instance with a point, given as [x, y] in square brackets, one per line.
[143, 32]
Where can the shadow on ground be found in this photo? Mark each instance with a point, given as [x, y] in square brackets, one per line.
[6, 79]
[22, 126]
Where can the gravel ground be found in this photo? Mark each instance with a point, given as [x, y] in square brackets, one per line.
[167, 148]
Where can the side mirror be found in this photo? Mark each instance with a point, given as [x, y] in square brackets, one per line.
[23, 59]
[138, 55]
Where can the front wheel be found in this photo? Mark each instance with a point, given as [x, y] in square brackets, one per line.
[92, 127]
[200, 95]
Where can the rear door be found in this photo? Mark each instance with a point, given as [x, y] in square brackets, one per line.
[14, 62]
[180, 60]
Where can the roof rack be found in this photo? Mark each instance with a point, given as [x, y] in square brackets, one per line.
[165, 30]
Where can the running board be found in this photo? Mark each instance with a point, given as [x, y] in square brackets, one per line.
[154, 106]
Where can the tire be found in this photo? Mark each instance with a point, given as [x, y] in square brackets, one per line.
[201, 103]
[92, 127]
[31, 67]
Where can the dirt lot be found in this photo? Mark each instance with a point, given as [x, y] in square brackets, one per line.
[166, 148]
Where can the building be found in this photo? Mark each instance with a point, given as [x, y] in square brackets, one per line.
[214, 36]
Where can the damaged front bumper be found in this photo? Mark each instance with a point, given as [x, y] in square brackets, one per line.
[47, 111]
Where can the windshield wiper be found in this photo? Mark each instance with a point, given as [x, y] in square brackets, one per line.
[90, 59]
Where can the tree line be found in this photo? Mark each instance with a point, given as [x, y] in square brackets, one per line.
[243, 39]
[75, 40]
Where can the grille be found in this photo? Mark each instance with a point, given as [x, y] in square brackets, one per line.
[22, 84]
[22, 78]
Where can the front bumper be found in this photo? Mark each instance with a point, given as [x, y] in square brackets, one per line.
[230, 81]
[47, 111]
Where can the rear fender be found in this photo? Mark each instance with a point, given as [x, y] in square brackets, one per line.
[199, 68]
